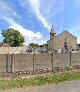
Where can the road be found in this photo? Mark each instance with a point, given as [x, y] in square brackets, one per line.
[72, 86]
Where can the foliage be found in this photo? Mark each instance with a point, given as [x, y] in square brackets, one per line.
[13, 37]
[39, 80]
[78, 44]
[34, 45]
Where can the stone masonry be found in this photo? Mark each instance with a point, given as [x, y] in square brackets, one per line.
[57, 42]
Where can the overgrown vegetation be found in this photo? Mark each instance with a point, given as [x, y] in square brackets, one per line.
[39, 80]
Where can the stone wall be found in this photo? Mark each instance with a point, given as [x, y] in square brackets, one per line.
[58, 41]
[2, 63]
[28, 62]
[23, 62]
[10, 50]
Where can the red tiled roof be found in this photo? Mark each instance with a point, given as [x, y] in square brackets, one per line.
[3, 44]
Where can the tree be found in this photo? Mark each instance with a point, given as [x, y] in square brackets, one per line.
[13, 37]
[78, 45]
[34, 45]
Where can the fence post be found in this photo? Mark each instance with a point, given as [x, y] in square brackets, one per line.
[7, 59]
[33, 60]
[70, 57]
[52, 59]
[12, 63]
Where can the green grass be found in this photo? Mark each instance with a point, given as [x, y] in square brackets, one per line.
[39, 80]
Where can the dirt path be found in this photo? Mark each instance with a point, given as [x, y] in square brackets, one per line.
[72, 86]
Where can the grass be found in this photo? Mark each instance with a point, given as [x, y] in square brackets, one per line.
[39, 80]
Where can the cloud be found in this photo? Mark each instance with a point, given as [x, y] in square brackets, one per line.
[7, 14]
[28, 34]
[35, 5]
[43, 9]
[5, 10]
[35, 8]
[0, 34]
[35, 41]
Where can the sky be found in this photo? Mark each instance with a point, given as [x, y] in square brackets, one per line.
[34, 18]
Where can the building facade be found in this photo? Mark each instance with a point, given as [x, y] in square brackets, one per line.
[64, 40]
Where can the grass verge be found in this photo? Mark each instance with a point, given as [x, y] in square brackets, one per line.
[39, 80]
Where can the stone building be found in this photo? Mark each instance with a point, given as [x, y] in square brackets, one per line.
[64, 40]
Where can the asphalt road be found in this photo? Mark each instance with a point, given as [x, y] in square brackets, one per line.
[72, 86]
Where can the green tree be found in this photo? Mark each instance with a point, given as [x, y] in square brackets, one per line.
[34, 45]
[13, 37]
[78, 45]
